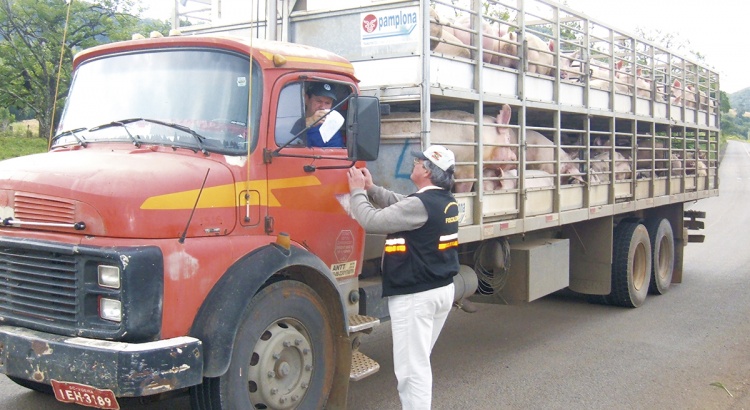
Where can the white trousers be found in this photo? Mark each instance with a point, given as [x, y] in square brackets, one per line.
[416, 322]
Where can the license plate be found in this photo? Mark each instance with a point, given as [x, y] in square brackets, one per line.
[84, 395]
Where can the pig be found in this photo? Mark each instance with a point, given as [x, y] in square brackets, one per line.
[540, 59]
[600, 167]
[571, 66]
[644, 154]
[443, 40]
[701, 169]
[499, 179]
[600, 70]
[643, 86]
[539, 148]
[458, 138]
[490, 36]
[686, 95]
[533, 178]
[675, 165]
[696, 167]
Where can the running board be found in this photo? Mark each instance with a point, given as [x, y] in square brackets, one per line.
[362, 366]
[358, 323]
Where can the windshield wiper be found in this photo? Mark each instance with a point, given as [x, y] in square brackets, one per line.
[120, 124]
[199, 138]
[81, 141]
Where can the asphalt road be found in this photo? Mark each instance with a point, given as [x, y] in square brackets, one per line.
[674, 352]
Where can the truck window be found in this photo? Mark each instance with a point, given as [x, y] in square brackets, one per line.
[203, 90]
[289, 115]
[303, 101]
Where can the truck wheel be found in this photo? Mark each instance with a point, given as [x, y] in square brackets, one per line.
[631, 265]
[662, 242]
[283, 356]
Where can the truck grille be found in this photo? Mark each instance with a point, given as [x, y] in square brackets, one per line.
[38, 286]
[40, 208]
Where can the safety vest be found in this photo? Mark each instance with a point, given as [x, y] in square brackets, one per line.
[427, 257]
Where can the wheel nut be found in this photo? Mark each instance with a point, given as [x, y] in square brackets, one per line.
[276, 356]
[271, 374]
[286, 343]
[274, 391]
[297, 342]
[308, 367]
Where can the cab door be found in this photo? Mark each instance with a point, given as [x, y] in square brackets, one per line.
[308, 191]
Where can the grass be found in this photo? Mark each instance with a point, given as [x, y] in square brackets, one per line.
[22, 140]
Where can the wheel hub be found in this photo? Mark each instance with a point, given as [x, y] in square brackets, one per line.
[281, 367]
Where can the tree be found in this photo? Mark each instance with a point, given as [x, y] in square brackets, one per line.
[31, 40]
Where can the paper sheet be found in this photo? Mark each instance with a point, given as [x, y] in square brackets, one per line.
[332, 123]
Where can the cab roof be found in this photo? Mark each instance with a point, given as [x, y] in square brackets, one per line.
[269, 54]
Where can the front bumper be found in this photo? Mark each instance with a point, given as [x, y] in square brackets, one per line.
[128, 369]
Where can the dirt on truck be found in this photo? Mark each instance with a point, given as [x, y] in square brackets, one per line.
[183, 235]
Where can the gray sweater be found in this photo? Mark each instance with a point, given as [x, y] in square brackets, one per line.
[395, 212]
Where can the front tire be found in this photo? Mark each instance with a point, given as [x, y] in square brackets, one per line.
[631, 265]
[662, 242]
[283, 355]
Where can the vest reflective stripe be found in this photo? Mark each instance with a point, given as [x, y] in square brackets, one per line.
[448, 241]
[393, 245]
[445, 245]
[451, 237]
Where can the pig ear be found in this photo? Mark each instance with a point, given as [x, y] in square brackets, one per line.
[677, 84]
[551, 45]
[618, 65]
[503, 117]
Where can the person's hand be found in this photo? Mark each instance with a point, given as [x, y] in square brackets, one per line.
[315, 117]
[368, 178]
[357, 178]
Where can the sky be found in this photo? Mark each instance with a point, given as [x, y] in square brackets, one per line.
[715, 28]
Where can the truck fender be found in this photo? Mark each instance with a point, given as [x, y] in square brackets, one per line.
[218, 318]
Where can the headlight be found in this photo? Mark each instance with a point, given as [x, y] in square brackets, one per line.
[110, 309]
[109, 276]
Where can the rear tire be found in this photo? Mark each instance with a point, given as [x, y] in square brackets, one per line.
[631, 265]
[662, 242]
[283, 355]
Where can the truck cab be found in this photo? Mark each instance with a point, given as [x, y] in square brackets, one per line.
[177, 204]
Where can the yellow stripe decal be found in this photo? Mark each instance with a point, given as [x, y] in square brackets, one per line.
[226, 196]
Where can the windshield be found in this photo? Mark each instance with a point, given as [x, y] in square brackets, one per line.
[140, 97]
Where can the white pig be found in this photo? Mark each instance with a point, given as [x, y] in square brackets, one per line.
[490, 34]
[443, 40]
[456, 137]
[539, 149]
[600, 166]
[540, 59]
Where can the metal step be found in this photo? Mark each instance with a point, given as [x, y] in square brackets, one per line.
[362, 366]
[358, 323]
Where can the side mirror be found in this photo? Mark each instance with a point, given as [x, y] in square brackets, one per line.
[363, 128]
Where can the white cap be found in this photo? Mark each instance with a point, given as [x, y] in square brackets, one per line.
[438, 155]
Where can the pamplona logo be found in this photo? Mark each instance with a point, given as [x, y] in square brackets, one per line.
[389, 25]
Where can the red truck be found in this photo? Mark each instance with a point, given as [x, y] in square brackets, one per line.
[163, 241]
[181, 235]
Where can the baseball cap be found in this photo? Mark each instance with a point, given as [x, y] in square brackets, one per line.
[442, 157]
[322, 89]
